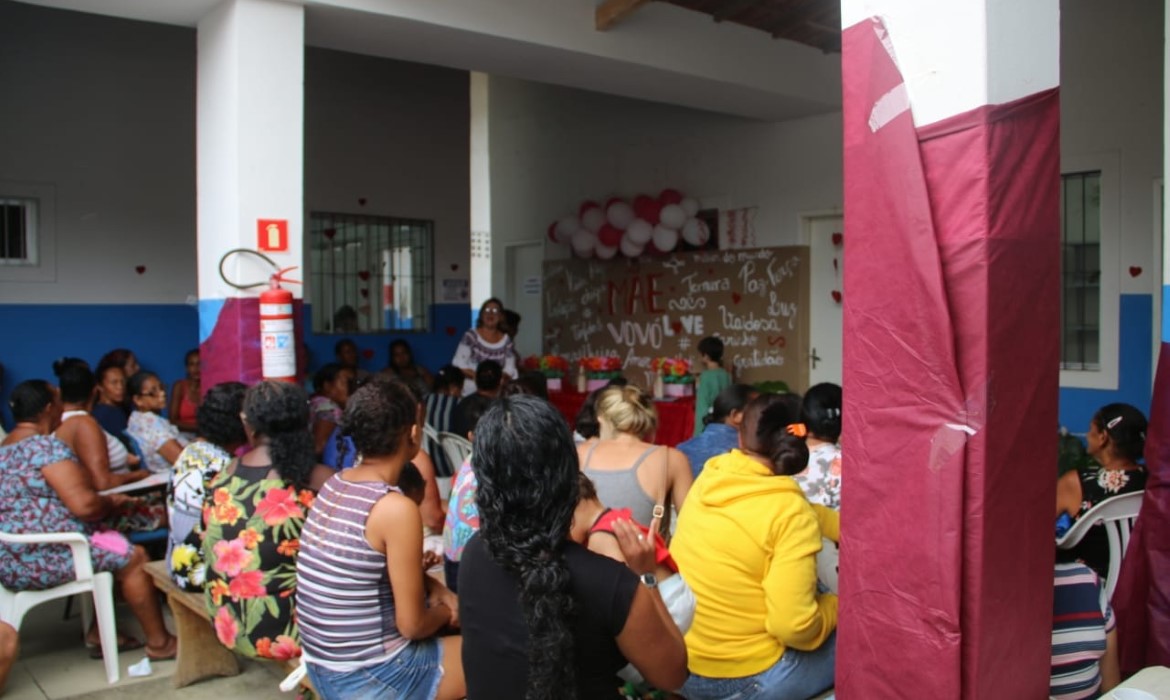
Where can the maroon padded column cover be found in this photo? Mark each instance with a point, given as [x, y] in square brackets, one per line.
[951, 325]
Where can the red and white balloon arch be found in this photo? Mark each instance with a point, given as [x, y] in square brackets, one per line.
[644, 225]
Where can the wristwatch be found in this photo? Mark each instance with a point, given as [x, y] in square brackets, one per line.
[649, 580]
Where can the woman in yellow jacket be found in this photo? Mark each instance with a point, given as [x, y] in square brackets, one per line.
[747, 541]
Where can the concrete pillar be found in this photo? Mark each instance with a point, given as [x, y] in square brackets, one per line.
[250, 160]
[951, 347]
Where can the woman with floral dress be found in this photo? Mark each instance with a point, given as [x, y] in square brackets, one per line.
[1116, 441]
[44, 489]
[252, 526]
[221, 432]
[821, 413]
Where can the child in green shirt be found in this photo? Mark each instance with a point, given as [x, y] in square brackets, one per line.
[712, 380]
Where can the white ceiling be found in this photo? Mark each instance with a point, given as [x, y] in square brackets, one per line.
[663, 54]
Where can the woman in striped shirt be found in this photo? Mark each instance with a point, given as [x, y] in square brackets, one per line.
[369, 617]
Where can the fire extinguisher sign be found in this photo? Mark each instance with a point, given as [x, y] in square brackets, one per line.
[273, 235]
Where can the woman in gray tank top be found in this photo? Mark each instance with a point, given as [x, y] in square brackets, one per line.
[628, 471]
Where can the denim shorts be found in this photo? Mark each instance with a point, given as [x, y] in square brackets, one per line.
[798, 675]
[413, 674]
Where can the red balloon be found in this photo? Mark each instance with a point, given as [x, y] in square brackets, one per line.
[670, 197]
[645, 207]
[552, 232]
[609, 236]
[586, 206]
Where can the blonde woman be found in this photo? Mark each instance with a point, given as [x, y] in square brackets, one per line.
[627, 469]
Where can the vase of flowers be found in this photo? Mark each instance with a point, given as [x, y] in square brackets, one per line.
[677, 379]
[599, 371]
[553, 367]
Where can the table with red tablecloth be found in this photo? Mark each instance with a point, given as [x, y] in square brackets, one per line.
[676, 417]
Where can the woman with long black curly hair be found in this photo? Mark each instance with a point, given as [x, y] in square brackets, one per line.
[368, 615]
[543, 617]
[255, 509]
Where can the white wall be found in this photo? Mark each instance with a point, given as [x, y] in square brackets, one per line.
[104, 111]
[553, 147]
[1111, 103]
[396, 135]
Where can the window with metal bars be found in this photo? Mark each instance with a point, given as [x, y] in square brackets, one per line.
[1080, 309]
[18, 231]
[369, 273]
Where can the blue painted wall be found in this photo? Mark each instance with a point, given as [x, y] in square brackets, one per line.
[33, 335]
[1134, 378]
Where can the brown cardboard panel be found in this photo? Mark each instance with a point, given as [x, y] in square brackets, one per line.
[756, 301]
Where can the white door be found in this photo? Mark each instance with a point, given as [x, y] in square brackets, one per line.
[523, 270]
[827, 260]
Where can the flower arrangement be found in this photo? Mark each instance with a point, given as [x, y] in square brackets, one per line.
[674, 370]
[601, 367]
[551, 366]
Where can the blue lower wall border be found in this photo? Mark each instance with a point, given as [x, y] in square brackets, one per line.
[32, 336]
[1134, 373]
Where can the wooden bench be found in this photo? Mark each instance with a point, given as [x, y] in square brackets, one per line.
[201, 655]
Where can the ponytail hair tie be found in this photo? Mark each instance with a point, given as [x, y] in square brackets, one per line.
[800, 430]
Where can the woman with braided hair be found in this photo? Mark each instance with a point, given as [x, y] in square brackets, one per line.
[369, 616]
[543, 617]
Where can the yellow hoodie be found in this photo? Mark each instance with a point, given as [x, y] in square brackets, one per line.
[746, 542]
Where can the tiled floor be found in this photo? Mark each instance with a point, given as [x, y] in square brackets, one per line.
[55, 664]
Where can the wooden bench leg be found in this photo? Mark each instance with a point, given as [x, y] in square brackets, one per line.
[200, 653]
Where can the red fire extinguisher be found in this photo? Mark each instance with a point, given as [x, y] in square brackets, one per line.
[278, 347]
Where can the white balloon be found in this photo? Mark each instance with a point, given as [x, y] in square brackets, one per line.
[565, 229]
[620, 214]
[690, 205]
[605, 252]
[672, 216]
[665, 239]
[593, 219]
[629, 248]
[583, 242]
[639, 232]
[695, 232]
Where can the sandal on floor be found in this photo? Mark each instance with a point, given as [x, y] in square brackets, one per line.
[165, 656]
[124, 644]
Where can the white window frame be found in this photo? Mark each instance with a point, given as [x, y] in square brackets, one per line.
[1106, 377]
[42, 266]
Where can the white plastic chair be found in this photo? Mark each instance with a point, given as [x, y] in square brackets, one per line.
[828, 563]
[14, 604]
[1117, 515]
[456, 447]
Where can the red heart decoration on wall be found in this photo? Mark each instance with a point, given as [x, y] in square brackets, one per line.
[676, 326]
[454, 267]
[837, 238]
[368, 354]
[365, 293]
[361, 201]
[1134, 271]
[140, 269]
[735, 297]
[836, 296]
[330, 233]
[364, 275]
[451, 330]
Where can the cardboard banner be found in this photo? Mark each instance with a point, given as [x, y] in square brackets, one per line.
[756, 301]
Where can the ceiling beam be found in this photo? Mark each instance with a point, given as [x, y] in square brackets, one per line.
[611, 12]
[730, 9]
